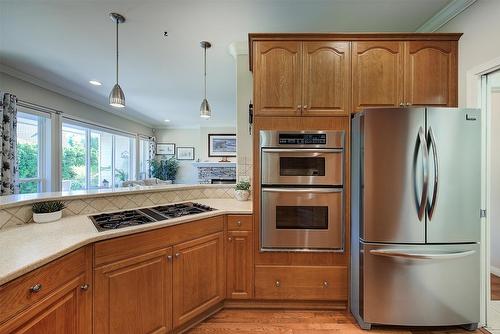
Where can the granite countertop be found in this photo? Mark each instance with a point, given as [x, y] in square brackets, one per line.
[30, 247]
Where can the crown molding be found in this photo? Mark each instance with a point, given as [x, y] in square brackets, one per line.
[66, 93]
[445, 15]
[238, 48]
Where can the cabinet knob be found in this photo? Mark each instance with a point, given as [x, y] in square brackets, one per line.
[408, 104]
[325, 284]
[84, 287]
[36, 288]
[177, 254]
[169, 257]
[277, 283]
[229, 238]
[402, 104]
[299, 107]
[306, 106]
[238, 223]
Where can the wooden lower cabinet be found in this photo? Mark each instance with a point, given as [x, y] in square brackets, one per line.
[239, 270]
[198, 276]
[134, 295]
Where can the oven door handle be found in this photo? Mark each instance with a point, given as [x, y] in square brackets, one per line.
[302, 190]
[304, 150]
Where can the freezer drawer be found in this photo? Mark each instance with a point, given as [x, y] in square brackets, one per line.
[420, 285]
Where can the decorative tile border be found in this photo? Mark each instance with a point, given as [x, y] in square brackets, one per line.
[17, 216]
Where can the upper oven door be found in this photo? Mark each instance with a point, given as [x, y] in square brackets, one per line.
[302, 166]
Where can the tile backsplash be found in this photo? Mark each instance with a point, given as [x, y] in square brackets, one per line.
[17, 216]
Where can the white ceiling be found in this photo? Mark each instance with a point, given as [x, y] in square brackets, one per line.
[69, 42]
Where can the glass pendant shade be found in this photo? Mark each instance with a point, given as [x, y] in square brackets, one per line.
[205, 111]
[116, 97]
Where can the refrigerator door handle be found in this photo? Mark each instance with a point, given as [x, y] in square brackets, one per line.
[432, 142]
[409, 254]
[421, 143]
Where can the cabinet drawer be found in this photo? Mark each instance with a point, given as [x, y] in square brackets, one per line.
[38, 284]
[301, 283]
[239, 222]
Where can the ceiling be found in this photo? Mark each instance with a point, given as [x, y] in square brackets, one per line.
[69, 42]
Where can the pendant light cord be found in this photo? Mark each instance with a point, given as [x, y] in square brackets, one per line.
[117, 51]
[205, 69]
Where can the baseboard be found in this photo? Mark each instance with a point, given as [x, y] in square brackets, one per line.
[199, 319]
[288, 305]
[495, 271]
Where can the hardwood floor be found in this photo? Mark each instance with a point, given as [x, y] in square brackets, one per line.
[495, 287]
[297, 322]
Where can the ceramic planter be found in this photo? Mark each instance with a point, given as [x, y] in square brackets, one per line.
[47, 217]
[241, 195]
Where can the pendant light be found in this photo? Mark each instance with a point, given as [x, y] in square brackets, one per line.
[116, 97]
[205, 111]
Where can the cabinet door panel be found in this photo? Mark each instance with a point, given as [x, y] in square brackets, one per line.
[326, 78]
[431, 73]
[199, 279]
[377, 74]
[239, 265]
[134, 296]
[277, 78]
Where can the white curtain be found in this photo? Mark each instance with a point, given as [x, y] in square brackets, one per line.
[152, 152]
[8, 139]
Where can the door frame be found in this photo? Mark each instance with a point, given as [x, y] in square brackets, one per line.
[476, 98]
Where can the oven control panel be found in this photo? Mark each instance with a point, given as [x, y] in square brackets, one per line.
[302, 138]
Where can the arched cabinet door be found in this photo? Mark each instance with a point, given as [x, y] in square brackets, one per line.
[277, 78]
[431, 73]
[326, 78]
[377, 74]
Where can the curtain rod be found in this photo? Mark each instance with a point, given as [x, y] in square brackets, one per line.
[37, 107]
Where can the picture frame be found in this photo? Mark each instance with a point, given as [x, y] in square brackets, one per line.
[185, 153]
[165, 148]
[222, 145]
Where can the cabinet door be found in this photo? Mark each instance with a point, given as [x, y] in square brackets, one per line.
[199, 279]
[377, 74]
[239, 259]
[326, 83]
[431, 73]
[134, 295]
[67, 310]
[277, 78]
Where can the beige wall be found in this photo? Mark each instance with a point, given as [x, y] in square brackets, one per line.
[44, 97]
[480, 25]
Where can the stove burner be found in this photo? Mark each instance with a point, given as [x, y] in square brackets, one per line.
[111, 221]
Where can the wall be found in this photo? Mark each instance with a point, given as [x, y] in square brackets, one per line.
[44, 97]
[495, 181]
[479, 44]
[197, 138]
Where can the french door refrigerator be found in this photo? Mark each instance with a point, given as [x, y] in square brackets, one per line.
[415, 214]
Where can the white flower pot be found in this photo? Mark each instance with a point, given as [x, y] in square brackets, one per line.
[47, 217]
[241, 195]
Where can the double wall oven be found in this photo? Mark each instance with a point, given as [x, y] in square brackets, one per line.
[302, 190]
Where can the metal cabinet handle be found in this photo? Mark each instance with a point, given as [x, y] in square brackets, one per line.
[325, 284]
[169, 257]
[306, 107]
[408, 104]
[277, 283]
[402, 104]
[238, 223]
[36, 288]
[229, 238]
[177, 254]
[299, 107]
[84, 287]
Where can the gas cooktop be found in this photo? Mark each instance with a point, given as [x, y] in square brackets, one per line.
[114, 220]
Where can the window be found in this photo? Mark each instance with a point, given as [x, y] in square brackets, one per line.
[31, 152]
[144, 158]
[95, 158]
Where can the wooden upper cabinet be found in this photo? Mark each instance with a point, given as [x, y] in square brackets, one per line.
[377, 74]
[134, 295]
[199, 277]
[277, 78]
[326, 78]
[431, 73]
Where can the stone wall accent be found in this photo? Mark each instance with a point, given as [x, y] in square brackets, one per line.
[206, 174]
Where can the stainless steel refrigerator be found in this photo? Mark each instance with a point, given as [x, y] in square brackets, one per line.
[415, 212]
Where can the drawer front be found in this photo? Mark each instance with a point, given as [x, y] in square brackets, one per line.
[239, 222]
[301, 283]
[36, 285]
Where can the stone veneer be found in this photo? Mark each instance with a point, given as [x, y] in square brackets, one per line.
[17, 216]
[206, 174]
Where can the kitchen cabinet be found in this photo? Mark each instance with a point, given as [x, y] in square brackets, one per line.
[134, 295]
[239, 257]
[294, 78]
[56, 298]
[198, 277]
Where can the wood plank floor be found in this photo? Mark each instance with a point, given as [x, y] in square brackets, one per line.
[495, 287]
[297, 322]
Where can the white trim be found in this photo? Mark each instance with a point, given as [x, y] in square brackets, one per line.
[94, 126]
[495, 271]
[238, 48]
[445, 15]
[67, 93]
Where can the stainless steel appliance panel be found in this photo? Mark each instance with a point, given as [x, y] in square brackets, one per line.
[454, 140]
[271, 138]
[394, 168]
[424, 285]
[302, 219]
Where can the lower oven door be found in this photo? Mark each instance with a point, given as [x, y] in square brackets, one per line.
[302, 219]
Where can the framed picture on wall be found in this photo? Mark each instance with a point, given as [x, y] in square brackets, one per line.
[222, 145]
[165, 148]
[185, 153]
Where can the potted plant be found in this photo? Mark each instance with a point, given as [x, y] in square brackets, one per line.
[164, 169]
[242, 190]
[46, 212]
